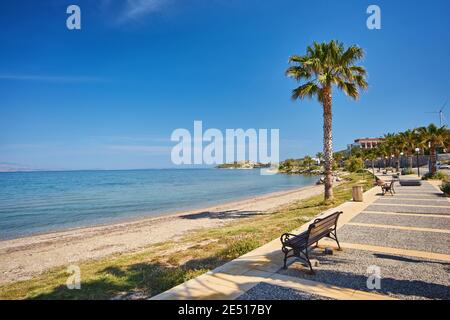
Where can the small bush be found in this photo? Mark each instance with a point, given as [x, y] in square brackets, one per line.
[354, 164]
[238, 248]
[445, 187]
[407, 171]
[437, 176]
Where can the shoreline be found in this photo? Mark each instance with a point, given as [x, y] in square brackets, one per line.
[24, 257]
[160, 214]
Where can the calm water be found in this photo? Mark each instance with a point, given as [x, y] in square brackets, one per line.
[35, 202]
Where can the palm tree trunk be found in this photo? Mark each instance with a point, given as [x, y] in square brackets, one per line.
[410, 161]
[433, 159]
[328, 142]
[398, 163]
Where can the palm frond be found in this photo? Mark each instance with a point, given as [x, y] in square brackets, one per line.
[308, 90]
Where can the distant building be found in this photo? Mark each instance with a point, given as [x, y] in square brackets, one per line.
[365, 143]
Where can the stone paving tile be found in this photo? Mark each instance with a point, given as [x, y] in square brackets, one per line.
[408, 209]
[430, 192]
[419, 196]
[265, 291]
[419, 192]
[403, 220]
[422, 188]
[411, 240]
[401, 277]
[430, 202]
[430, 189]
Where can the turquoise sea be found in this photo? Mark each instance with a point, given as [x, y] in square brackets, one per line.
[37, 202]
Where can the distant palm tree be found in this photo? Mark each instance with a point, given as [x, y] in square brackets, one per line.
[394, 148]
[371, 154]
[431, 138]
[326, 65]
[319, 156]
[383, 152]
[408, 142]
[338, 157]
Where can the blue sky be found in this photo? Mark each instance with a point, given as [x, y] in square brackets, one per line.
[109, 95]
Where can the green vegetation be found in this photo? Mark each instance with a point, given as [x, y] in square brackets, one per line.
[407, 171]
[300, 166]
[324, 66]
[354, 164]
[429, 140]
[433, 138]
[162, 266]
[436, 176]
[445, 187]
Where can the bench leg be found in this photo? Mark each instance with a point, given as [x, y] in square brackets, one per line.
[308, 261]
[333, 235]
[285, 261]
[337, 241]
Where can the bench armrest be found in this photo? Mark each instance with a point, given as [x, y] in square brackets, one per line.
[286, 237]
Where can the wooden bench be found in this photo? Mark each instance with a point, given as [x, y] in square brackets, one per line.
[388, 187]
[297, 245]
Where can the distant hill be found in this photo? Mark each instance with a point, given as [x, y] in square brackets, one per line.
[13, 167]
[243, 165]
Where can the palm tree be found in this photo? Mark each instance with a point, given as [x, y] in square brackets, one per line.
[390, 146]
[371, 155]
[326, 65]
[394, 142]
[408, 142]
[338, 157]
[432, 137]
[383, 152]
[319, 156]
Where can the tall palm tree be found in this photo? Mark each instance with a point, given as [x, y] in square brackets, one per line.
[433, 137]
[324, 66]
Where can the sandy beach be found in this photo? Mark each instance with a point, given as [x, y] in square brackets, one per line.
[26, 257]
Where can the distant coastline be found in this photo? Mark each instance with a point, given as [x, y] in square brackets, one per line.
[244, 165]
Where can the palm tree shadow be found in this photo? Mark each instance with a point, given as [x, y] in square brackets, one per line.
[223, 215]
[134, 282]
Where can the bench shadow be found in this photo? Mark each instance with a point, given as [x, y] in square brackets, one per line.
[410, 260]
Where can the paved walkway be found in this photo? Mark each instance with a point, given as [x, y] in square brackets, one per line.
[405, 237]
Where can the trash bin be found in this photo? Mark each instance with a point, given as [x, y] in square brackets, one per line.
[357, 193]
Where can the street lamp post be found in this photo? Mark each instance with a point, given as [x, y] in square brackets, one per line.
[418, 166]
[400, 159]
